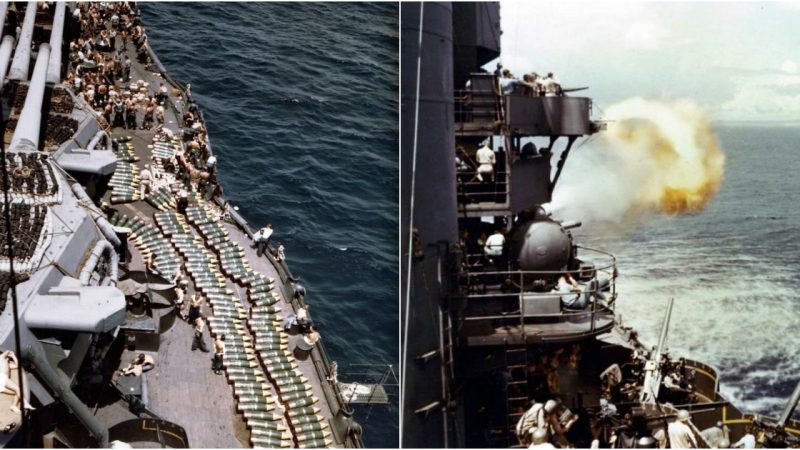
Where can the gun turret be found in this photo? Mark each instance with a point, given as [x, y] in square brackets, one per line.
[652, 367]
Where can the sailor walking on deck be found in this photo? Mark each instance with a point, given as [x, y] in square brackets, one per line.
[198, 341]
[261, 238]
[180, 295]
[194, 308]
[219, 352]
[145, 176]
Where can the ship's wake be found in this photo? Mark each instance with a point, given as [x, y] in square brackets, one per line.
[735, 312]
[656, 156]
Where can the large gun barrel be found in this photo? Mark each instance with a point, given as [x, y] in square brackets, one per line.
[3, 11]
[662, 338]
[790, 407]
[56, 37]
[652, 368]
[5, 57]
[22, 56]
[27, 131]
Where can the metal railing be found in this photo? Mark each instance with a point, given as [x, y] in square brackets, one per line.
[512, 291]
[482, 191]
[474, 102]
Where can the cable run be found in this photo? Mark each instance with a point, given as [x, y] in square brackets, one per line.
[411, 216]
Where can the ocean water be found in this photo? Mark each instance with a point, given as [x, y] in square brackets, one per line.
[731, 268]
[301, 105]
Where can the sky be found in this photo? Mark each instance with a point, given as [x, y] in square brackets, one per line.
[738, 61]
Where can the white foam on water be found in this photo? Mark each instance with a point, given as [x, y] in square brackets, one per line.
[742, 319]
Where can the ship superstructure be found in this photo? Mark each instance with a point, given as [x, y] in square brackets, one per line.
[98, 266]
[488, 327]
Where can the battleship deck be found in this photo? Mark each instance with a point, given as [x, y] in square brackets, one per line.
[269, 393]
[182, 388]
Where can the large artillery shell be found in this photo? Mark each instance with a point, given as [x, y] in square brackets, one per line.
[275, 367]
[313, 435]
[255, 399]
[241, 363]
[262, 415]
[265, 425]
[257, 441]
[309, 427]
[245, 377]
[285, 381]
[309, 418]
[265, 431]
[317, 443]
[255, 407]
[308, 401]
[274, 354]
[303, 411]
[295, 388]
[292, 396]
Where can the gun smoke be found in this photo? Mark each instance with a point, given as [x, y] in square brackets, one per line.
[656, 156]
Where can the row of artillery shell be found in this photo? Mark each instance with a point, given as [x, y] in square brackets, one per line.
[294, 389]
[161, 199]
[198, 214]
[125, 152]
[253, 395]
[124, 183]
[270, 342]
[172, 224]
[150, 242]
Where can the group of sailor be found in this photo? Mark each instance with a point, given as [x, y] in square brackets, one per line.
[542, 423]
[545, 424]
[100, 73]
[531, 84]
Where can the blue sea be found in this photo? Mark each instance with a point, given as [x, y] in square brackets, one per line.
[301, 105]
[731, 268]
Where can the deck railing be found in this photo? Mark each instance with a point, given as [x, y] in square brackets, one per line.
[518, 299]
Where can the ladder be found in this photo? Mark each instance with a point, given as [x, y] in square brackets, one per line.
[517, 400]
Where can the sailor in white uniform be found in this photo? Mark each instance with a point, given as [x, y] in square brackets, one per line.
[486, 161]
